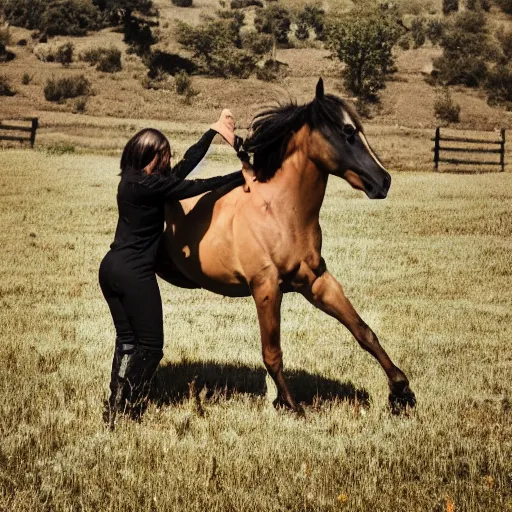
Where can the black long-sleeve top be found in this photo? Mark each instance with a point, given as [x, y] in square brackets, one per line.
[141, 202]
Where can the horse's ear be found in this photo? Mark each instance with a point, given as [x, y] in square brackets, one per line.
[320, 89]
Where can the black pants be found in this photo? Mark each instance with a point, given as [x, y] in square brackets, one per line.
[135, 304]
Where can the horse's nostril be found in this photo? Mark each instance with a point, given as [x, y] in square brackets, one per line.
[387, 181]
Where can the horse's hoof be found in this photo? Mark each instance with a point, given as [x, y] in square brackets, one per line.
[281, 403]
[401, 399]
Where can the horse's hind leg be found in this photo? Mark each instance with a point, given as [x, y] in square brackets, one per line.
[267, 296]
[327, 294]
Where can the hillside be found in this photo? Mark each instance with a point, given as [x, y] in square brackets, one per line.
[407, 101]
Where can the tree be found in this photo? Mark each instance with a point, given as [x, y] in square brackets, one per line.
[214, 47]
[435, 31]
[505, 5]
[450, 6]
[418, 33]
[499, 86]
[465, 47]
[23, 13]
[136, 18]
[363, 40]
[312, 16]
[69, 18]
[61, 17]
[276, 21]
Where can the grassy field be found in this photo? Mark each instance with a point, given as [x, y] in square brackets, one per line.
[429, 269]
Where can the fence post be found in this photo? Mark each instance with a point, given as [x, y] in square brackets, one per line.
[35, 123]
[502, 154]
[436, 149]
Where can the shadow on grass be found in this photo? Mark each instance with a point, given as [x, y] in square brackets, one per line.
[176, 382]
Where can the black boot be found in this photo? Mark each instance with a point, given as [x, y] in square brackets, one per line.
[117, 399]
[139, 373]
[131, 380]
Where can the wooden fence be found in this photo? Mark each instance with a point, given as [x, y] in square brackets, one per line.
[20, 133]
[457, 149]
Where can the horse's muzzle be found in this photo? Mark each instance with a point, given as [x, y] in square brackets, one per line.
[375, 191]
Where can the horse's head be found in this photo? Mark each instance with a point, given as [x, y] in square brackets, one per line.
[339, 146]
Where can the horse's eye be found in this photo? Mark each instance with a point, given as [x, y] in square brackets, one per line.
[349, 130]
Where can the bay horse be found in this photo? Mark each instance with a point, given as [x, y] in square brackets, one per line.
[265, 239]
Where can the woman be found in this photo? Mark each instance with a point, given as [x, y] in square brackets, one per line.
[127, 273]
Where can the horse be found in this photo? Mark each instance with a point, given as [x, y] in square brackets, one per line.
[264, 239]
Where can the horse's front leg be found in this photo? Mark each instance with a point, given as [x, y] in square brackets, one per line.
[326, 293]
[267, 296]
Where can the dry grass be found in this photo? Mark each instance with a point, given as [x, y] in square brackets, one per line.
[429, 269]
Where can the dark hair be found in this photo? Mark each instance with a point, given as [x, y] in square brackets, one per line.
[142, 148]
[272, 129]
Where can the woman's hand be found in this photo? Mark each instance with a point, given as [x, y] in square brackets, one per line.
[225, 126]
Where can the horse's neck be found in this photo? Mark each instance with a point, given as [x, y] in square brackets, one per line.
[297, 190]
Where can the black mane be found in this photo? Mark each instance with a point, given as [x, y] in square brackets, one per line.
[272, 129]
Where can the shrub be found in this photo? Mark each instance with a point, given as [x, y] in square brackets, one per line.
[235, 23]
[405, 42]
[475, 5]
[5, 36]
[160, 62]
[504, 5]
[272, 70]
[5, 87]
[302, 31]
[146, 82]
[499, 86]
[22, 42]
[312, 16]
[182, 82]
[242, 4]
[418, 32]
[182, 3]
[64, 54]
[189, 95]
[240, 64]
[5, 54]
[274, 20]
[44, 53]
[68, 87]
[69, 18]
[80, 105]
[258, 44]
[445, 108]
[435, 31]
[450, 6]
[26, 78]
[505, 40]
[107, 60]
[110, 61]
[24, 13]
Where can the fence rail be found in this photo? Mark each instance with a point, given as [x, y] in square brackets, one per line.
[437, 150]
[22, 130]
